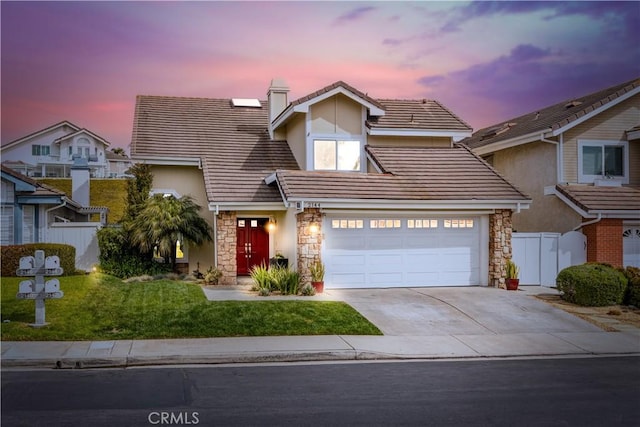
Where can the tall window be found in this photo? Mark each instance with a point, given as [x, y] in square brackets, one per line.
[335, 155]
[28, 224]
[599, 159]
[6, 213]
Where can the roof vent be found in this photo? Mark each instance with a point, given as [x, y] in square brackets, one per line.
[496, 130]
[572, 104]
[246, 102]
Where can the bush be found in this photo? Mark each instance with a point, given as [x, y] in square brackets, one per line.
[11, 255]
[212, 276]
[308, 290]
[281, 279]
[592, 285]
[261, 278]
[632, 295]
[118, 259]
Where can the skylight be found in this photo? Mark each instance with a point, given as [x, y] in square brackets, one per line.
[246, 102]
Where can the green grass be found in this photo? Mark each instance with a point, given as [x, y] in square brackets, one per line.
[101, 307]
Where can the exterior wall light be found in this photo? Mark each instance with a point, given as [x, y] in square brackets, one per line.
[314, 228]
[271, 226]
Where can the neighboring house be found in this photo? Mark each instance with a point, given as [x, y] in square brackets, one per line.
[33, 212]
[50, 152]
[378, 189]
[580, 161]
[118, 164]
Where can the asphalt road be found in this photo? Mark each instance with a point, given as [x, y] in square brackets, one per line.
[536, 392]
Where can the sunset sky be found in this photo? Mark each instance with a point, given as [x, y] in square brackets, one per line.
[487, 61]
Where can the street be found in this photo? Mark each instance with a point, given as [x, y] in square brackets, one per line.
[569, 392]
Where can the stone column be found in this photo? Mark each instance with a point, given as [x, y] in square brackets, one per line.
[226, 241]
[500, 229]
[309, 242]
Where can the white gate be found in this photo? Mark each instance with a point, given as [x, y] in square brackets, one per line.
[82, 236]
[541, 256]
[537, 256]
[572, 249]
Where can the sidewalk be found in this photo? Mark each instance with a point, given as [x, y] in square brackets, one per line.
[463, 342]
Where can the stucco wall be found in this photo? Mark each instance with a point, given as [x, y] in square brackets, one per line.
[531, 167]
[608, 125]
[188, 181]
[337, 114]
[297, 140]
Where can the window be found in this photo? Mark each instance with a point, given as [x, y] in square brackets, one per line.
[336, 155]
[458, 223]
[422, 223]
[6, 223]
[603, 159]
[40, 150]
[347, 223]
[28, 222]
[385, 223]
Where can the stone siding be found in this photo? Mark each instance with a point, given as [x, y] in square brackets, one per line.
[500, 231]
[226, 239]
[309, 244]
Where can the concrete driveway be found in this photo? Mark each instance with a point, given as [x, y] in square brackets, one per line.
[460, 311]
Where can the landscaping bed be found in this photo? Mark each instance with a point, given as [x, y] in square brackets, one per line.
[101, 307]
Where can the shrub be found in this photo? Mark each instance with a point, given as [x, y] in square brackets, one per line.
[11, 255]
[212, 276]
[308, 290]
[261, 278]
[118, 259]
[592, 285]
[632, 295]
[288, 281]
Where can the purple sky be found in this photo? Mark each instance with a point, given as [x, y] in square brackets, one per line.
[487, 61]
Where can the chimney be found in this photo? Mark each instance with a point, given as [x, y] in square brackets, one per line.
[277, 98]
[80, 181]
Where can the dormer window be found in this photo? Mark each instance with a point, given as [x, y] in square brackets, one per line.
[337, 155]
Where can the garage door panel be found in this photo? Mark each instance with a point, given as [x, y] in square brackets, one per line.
[402, 256]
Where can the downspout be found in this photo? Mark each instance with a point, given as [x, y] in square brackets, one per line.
[46, 216]
[558, 144]
[215, 236]
[593, 221]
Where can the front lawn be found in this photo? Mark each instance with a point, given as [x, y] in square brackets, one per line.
[100, 307]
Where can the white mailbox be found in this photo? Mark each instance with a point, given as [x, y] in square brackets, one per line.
[27, 262]
[26, 287]
[52, 285]
[51, 262]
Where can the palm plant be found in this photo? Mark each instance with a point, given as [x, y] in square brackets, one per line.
[165, 220]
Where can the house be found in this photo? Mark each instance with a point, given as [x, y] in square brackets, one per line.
[50, 153]
[580, 162]
[33, 212]
[380, 190]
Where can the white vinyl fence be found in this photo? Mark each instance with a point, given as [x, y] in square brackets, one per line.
[541, 256]
[82, 236]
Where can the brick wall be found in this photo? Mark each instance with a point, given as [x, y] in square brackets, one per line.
[226, 239]
[604, 241]
[309, 244]
[500, 230]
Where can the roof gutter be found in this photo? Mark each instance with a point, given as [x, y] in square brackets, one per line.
[593, 221]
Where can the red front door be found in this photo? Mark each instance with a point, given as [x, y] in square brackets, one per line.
[253, 244]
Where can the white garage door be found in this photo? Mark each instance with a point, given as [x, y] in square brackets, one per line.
[631, 246]
[388, 251]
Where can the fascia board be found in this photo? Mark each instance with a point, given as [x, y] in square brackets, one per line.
[39, 200]
[509, 143]
[246, 206]
[595, 112]
[418, 132]
[414, 204]
[632, 135]
[169, 161]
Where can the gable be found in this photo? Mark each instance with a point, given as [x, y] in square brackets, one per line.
[336, 115]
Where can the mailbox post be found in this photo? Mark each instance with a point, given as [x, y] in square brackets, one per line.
[38, 289]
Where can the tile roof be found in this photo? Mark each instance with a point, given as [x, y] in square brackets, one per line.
[429, 174]
[417, 114]
[550, 118]
[232, 142]
[594, 199]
